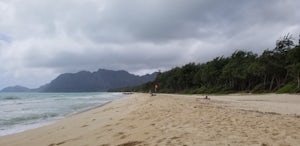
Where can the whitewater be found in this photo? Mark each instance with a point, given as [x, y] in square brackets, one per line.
[23, 111]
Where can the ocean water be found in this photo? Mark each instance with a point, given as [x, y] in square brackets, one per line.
[23, 111]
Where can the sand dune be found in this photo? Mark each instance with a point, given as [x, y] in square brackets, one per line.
[173, 120]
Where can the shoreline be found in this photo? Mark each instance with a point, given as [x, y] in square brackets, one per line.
[168, 119]
[26, 127]
[49, 121]
[87, 109]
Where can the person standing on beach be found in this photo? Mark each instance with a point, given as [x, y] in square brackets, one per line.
[150, 92]
[155, 87]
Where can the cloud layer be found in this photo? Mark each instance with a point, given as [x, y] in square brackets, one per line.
[40, 39]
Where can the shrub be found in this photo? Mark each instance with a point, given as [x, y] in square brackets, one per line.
[288, 88]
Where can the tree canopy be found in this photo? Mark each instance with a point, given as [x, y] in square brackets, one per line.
[276, 70]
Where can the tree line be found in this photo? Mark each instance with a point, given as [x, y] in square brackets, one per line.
[276, 70]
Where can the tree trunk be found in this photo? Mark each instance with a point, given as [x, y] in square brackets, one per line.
[272, 81]
[277, 82]
[265, 80]
[298, 80]
[249, 84]
[285, 78]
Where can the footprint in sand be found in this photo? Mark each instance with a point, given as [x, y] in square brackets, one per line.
[131, 143]
[264, 144]
[84, 126]
[110, 129]
[55, 144]
[275, 134]
[121, 135]
[160, 140]
[132, 127]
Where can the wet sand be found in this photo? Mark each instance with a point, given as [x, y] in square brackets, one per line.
[164, 119]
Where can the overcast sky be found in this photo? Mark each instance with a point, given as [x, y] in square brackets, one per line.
[40, 39]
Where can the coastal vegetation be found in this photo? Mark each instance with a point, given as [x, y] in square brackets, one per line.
[276, 70]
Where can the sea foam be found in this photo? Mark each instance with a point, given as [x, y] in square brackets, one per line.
[23, 111]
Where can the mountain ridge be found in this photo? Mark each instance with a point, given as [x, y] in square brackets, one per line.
[101, 80]
[16, 88]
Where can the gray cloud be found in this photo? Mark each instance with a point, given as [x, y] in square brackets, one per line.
[40, 39]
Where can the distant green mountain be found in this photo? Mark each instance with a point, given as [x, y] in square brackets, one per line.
[15, 89]
[101, 80]
[85, 81]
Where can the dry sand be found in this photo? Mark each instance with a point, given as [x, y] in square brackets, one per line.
[278, 103]
[175, 120]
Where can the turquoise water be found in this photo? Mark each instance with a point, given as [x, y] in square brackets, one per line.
[22, 111]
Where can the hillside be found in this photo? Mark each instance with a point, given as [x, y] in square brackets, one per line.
[15, 89]
[85, 81]
[101, 80]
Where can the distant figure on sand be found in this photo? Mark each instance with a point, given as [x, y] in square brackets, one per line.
[151, 94]
[206, 97]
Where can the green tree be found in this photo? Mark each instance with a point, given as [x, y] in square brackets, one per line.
[236, 71]
[284, 44]
[295, 72]
[242, 71]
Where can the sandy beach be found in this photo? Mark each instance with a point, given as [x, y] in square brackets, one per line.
[174, 120]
